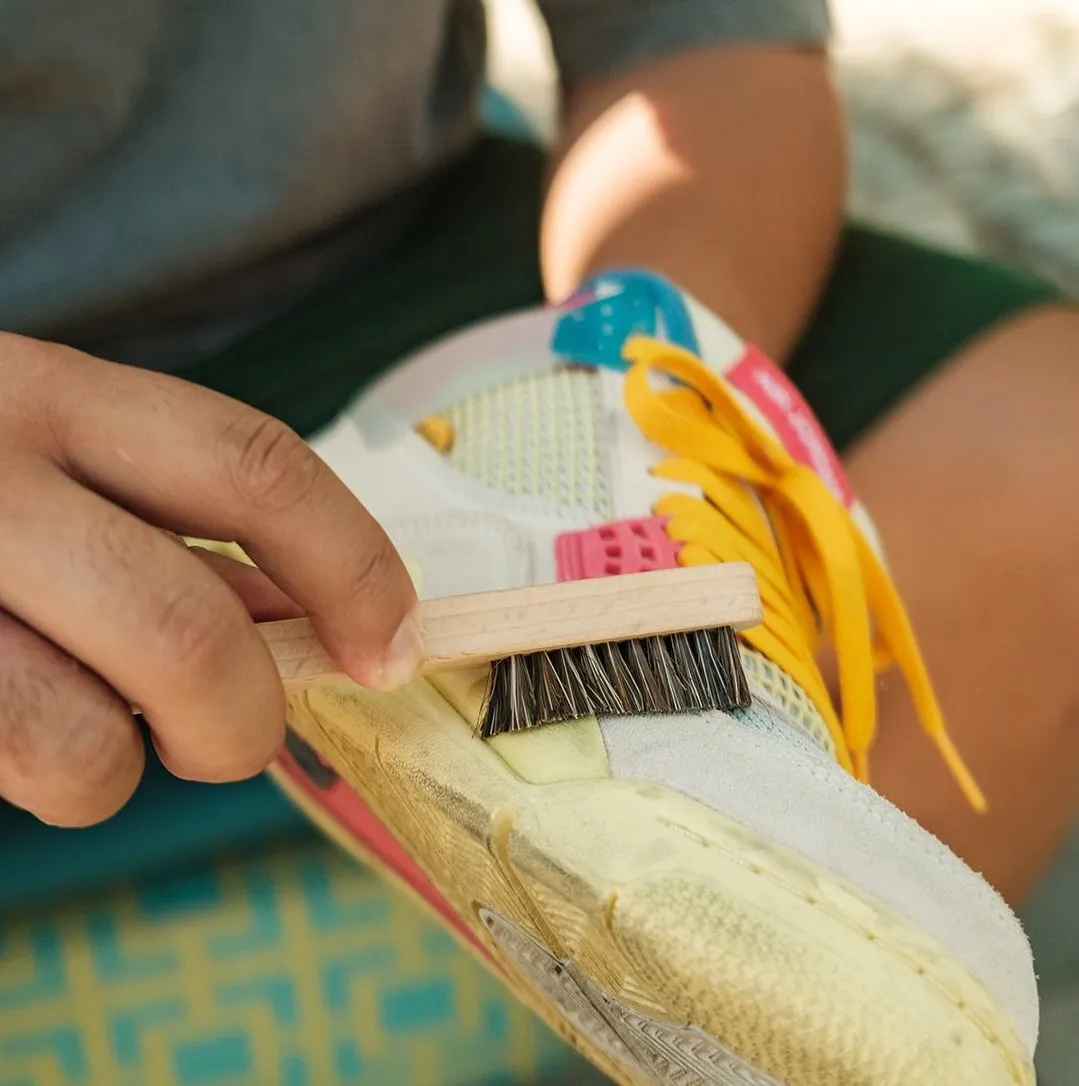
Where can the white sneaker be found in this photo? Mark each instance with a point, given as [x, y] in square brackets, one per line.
[707, 898]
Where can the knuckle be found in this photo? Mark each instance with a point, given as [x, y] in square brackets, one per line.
[29, 370]
[25, 721]
[270, 466]
[198, 624]
[370, 574]
[111, 549]
[33, 365]
[15, 349]
[11, 346]
[65, 739]
[103, 749]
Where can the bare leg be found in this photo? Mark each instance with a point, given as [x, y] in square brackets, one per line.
[974, 484]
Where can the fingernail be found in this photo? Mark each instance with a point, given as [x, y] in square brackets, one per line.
[403, 657]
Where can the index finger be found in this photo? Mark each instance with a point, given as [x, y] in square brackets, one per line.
[194, 461]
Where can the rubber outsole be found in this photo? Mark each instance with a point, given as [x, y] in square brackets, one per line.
[710, 954]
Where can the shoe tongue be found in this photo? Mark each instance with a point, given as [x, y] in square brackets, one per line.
[529, 400]
[611, 308]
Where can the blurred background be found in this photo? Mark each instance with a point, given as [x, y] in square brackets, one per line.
[964, 118]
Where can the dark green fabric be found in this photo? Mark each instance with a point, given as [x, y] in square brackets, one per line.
[471, 256]
[893, 312]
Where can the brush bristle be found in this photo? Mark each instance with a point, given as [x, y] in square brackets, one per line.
[675, 673]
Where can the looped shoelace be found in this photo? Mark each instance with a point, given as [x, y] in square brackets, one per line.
[820, 579]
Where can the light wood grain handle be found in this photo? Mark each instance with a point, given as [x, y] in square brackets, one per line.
[467, 631]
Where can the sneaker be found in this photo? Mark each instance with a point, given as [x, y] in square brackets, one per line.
[703, 898]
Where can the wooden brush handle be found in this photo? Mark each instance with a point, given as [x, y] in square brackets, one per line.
[467, 631]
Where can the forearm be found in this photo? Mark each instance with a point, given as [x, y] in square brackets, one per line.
[723, 169]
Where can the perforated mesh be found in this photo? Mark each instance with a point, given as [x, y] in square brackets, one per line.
[537, 437]
[775, 687]
[540, 437]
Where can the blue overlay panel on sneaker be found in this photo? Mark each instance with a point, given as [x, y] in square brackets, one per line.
[611, 307]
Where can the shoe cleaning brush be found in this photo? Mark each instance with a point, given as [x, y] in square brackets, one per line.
[657, 642]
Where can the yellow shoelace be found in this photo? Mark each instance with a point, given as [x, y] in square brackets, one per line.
[819, 576]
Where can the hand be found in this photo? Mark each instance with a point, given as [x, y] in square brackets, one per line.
[101, 607]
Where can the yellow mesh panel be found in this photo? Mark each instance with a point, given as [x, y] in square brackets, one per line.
[536, 437]
[775, 686]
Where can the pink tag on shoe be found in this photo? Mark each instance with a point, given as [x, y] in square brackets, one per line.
[639, 545]
[758, 378]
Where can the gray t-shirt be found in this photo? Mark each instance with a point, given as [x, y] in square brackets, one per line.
[189, 150]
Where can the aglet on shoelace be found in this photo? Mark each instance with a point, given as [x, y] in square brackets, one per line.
[820, 579]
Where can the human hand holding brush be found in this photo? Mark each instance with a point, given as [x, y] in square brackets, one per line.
[101, 607]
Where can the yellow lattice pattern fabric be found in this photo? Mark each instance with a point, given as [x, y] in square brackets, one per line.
[775, 687]
[537, 437]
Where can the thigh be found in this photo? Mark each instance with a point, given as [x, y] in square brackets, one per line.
[971, 482]
[953, 387]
